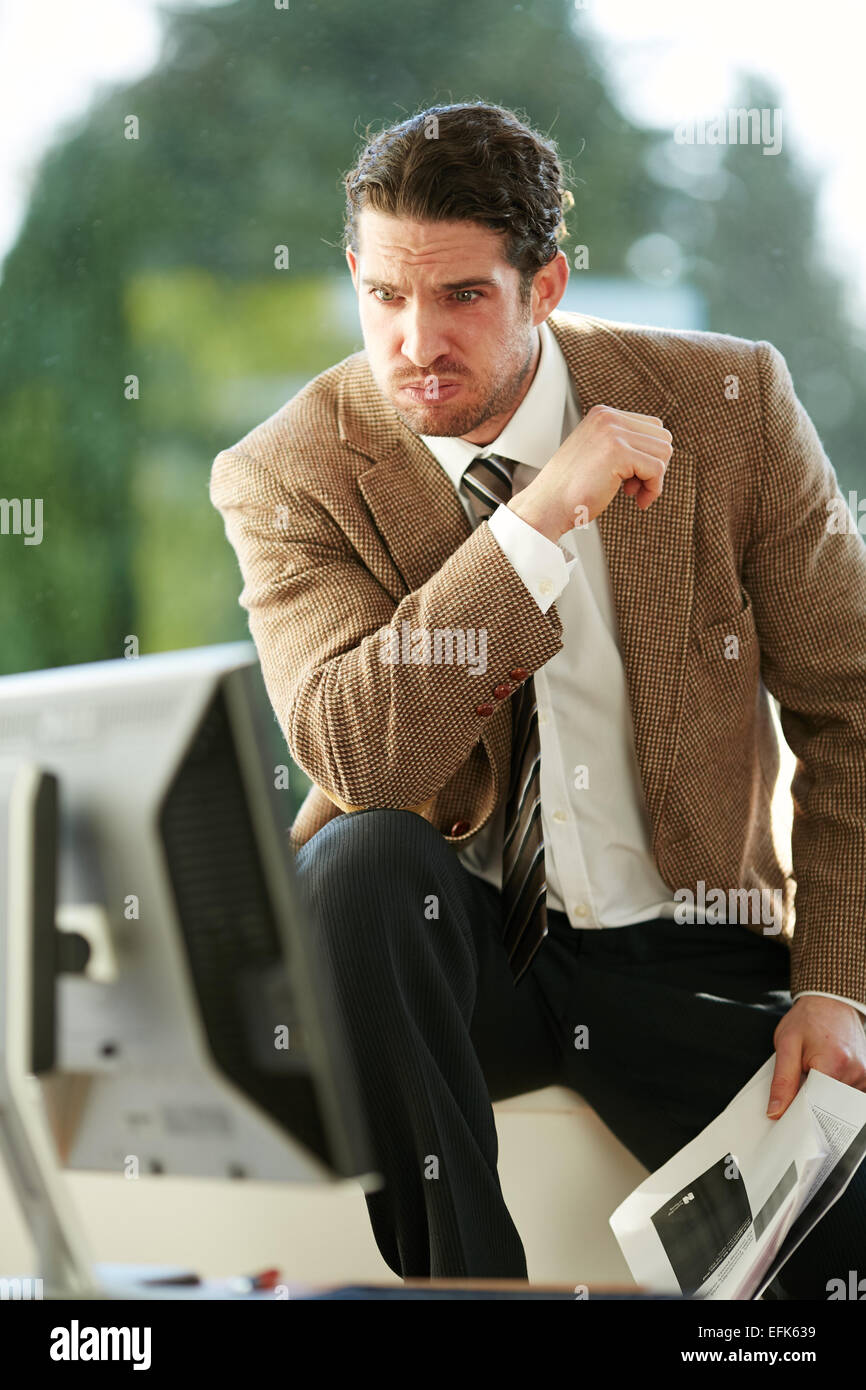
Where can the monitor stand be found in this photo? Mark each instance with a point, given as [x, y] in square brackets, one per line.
[28, 955]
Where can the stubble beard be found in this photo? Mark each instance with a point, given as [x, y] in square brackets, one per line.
[464, 417]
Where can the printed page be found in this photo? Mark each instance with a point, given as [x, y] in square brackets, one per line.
[711, 1221]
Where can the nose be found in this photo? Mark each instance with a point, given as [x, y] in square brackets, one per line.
[423, 338]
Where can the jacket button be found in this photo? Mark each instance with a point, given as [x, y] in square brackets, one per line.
[518, 674]
[459, 827]
[501, 691]
[484, 709]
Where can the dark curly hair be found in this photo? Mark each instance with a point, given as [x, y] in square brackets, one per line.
[471, 161]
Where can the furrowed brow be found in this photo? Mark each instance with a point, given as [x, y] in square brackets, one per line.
[470, 283]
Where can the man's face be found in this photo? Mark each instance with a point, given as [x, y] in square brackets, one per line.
[450, 342]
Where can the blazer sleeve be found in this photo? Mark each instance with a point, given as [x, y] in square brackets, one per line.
[369, 730]
[805, 570]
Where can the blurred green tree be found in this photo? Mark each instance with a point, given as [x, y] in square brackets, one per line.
[153, 258]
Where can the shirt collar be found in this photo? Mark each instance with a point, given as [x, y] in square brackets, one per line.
[534, 432]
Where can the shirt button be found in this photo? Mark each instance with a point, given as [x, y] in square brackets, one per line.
[580, 909]
[519, 673]
[545, 586]
[484, 710]
[501, 691]
[459, 827]
[560, 815]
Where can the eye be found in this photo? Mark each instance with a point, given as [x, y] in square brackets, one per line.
[477, 293]
[381, 290]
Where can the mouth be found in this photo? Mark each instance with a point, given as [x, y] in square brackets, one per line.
[444, 391]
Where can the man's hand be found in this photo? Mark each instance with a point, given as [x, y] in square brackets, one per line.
[610, 449]
[821, 1033]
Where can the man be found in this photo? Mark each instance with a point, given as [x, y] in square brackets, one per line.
[520, 583]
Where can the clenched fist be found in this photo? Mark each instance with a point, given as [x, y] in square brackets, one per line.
[610, 449]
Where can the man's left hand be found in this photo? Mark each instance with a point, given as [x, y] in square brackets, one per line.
[818, 1033]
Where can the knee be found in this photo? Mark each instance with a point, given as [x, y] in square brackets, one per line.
[369, 876]
[370, 851]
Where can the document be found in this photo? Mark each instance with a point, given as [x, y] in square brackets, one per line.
[721, 1217]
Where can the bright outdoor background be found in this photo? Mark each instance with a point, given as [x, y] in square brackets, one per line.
[155, 256]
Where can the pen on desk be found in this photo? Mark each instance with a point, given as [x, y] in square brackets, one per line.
[256, 1283]
[244, 1283]
[174, 1280]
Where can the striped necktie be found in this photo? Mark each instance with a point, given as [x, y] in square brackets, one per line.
[487, 482]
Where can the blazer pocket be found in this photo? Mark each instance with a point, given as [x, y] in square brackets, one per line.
[716, 640]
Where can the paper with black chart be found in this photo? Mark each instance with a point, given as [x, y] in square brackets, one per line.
[720, 1218]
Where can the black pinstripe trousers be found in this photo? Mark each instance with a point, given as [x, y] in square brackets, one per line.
[656, 1025]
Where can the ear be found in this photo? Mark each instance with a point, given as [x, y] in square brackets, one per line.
[352, 262]
[548, 287]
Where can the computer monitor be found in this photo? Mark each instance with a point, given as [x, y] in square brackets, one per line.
[164, 977]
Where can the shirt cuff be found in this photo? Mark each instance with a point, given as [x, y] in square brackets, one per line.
[539, 561]
[861, 1008]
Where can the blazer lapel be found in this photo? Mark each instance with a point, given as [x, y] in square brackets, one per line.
[650, 555]
[415, 508]
[420, 515]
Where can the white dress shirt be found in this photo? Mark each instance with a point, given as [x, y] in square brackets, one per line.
[600, 869]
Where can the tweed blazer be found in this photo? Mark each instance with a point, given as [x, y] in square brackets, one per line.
[344, 523]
